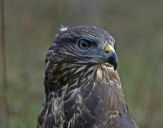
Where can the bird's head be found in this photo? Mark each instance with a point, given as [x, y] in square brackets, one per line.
[84, 45]
[78, 55]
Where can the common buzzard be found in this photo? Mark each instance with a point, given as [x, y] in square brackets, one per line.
[82, 86]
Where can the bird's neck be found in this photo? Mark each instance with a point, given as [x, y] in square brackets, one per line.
[102, 81]
[101, 92]
[99, 86]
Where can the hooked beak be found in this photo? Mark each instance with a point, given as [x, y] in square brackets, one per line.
[110, 55]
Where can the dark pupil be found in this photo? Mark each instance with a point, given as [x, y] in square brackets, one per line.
[83, 44]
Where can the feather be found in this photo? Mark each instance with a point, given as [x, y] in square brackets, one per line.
[82, 90]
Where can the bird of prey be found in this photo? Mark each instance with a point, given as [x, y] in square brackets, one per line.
[82, 85]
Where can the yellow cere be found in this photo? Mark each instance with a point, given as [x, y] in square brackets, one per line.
[109, 48]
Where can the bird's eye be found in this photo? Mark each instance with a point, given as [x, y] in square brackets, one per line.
[84, 44]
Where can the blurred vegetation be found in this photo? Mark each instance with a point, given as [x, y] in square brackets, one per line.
[136, 25]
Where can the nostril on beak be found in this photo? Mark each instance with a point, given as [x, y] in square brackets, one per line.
[106, 51]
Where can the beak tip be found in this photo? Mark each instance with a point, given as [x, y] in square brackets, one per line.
[115, 66]
[113, 60]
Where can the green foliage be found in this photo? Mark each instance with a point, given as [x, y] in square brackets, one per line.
[136, 25]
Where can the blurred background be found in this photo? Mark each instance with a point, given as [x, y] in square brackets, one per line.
[30, 26]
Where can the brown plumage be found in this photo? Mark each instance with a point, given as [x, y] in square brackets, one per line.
[82, 86]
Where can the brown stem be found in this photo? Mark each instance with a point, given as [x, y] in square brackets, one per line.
[4, 101]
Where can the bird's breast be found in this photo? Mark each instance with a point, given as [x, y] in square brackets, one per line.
[100, 101]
